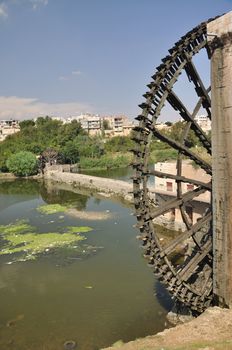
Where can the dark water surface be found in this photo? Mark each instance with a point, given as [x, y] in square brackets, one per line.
[95, 301]
[118, 173]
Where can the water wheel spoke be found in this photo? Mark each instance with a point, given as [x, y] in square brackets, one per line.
[183, 149]
[175, 203]
[185, 235]
[184, 179]
[186, 272]
[199, 104]
[201, 91]
[176, 103]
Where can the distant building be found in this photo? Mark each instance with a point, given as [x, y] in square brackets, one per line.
[8, 127]
[163, 126]
[118, 126]
[93, 124]
[204, 122]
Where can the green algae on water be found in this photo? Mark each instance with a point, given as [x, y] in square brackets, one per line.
[78, 229]
[52, 208]
[21, 226]
[21, 240]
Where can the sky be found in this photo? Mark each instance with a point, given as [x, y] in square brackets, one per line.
[66, 57]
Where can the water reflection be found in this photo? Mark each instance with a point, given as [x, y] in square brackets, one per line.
[119, 173]
[20, 186]
[53, 195]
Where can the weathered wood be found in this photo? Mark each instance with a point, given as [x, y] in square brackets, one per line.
[220, 44]
[182, 149]
[179, 178]
[185, 235]
[178, 105]
[189, 268]
[174, 203]
[199, 86]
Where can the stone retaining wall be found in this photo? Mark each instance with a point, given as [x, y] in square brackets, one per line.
[105, 186]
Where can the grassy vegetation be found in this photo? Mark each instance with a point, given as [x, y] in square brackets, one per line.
[107, 161]
[162, 155]
[202, 153]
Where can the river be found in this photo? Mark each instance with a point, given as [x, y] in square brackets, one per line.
[95, 298]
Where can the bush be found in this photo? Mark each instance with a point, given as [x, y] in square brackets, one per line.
[119, 144]
[23, 164]
[163, 155]
[105, 162]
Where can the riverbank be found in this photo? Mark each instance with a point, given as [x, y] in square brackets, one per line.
[212, 330]
[5, 176]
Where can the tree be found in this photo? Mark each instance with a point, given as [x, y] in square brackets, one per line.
[89, 147]
[26, 123]
[70, 153]
[176, 133]
[23, 163]
[68, 132]
[106, 124]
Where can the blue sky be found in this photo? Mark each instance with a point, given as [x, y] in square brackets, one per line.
[64, 57]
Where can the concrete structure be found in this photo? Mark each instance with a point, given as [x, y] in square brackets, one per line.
[163, 126]
[220, 42]
[166, 188]
[188, 170]
[93, 124]
[118, 125]
[8, 127]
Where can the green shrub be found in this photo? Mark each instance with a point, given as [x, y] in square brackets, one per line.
[23, 163]
[119, 144]
[162, 155]
[105, 162]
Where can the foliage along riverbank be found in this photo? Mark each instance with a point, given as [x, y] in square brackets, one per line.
[74, 146]
[71, 143]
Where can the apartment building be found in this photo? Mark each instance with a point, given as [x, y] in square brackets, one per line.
[8, 127]
[118, 125]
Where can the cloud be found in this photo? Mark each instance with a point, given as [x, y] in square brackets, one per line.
[3, 11]
[76, 72]
[34, 3]
[27, 108]
[37, 3]
[63, 78]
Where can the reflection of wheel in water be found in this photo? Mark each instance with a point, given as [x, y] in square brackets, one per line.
[189, 279]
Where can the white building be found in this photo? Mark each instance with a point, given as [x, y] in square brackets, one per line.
[204, 122]
[8, 127]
